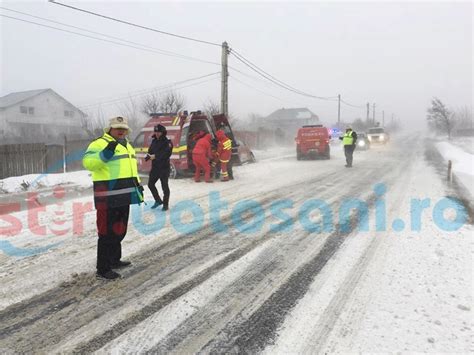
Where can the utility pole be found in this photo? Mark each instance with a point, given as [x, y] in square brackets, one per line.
[225, 80]
[383, 118]
[339, 111]
[373, 114]
[368, 109]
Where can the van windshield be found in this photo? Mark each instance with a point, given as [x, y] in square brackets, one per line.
[376, 130]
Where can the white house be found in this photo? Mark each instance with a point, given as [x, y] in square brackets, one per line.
[39, 116]
[286, 121]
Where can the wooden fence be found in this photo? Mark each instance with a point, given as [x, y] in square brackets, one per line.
[39, 158]
[22, 159]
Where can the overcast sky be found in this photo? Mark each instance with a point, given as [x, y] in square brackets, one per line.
[394, 54]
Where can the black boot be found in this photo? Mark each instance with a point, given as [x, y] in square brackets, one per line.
[156, 204]
[108, 275]
[121, 264]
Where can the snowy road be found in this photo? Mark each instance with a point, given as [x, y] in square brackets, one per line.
[250, 289]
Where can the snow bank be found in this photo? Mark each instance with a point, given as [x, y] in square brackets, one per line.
[463, 164]
[38, 181]
[466, 143]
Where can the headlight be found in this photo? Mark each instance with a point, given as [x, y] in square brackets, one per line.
[361, 143]
[381, 138]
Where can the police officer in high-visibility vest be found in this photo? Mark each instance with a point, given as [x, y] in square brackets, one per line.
[349, 141]
[111, 159]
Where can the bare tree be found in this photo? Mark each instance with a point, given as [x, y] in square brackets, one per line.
[151, 104]
[440, 118]
[360, 125]
[168, 102]
[93, 122]
[211, 108]
[131, 110]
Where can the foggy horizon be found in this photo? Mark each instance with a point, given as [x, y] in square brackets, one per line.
[396, 55]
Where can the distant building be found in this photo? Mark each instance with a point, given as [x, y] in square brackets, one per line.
[39, 116]
[284, 123]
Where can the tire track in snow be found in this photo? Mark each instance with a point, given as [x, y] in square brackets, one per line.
[332, 312]
[61, 301]
[179, 340]
[262, 275]
[251, 335]
[102, 339]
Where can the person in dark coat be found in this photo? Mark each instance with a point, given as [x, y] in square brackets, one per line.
[159, 153]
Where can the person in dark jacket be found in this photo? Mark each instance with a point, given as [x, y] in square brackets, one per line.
[349, 140]
[159, 153]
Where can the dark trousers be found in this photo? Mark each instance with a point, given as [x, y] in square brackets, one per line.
[112, 227]
[348, 152]
[163, 176]
[230, 171]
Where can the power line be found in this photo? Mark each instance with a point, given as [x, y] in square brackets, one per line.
[145, 47]
[274, 80]
[134, 24]
[261, 91]
[147, 91]
[261, 80]
[356, 106]
[268, 76]
[128, 98]
[155, 89]
[160, 51]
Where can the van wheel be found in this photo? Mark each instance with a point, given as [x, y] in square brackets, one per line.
[173, 172]
[328, 154]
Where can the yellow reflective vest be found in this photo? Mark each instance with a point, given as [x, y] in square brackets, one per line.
[116, 181]
[347, 138]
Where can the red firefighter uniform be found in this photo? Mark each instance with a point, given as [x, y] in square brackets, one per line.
[224, 153]
[201, 156]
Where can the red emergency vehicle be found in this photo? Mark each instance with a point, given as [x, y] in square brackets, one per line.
[181, 128]
[313, 141]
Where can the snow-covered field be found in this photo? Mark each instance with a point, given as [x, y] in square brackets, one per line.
[465, 143]
[35, 182]
[462, 162]
[249, 289]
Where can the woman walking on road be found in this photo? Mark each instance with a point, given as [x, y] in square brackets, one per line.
[159, 153]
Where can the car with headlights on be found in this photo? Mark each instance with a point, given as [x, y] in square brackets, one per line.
[363, 142]
[377, 135]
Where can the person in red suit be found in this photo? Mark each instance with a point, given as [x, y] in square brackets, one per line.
[224, 153]
[201, 155]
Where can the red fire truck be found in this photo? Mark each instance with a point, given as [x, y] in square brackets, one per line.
[312, 141]
[181, 128]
